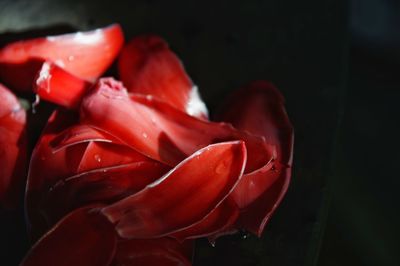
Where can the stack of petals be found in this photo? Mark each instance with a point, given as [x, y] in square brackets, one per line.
[131, 172]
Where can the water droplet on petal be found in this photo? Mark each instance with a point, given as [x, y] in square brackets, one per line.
[97, 158]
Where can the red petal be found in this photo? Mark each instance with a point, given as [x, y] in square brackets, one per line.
[182, 197]
[13, 149]
[79, 149]
[216, 223]
[160, 131]
[101, 154]
[82, 238]
[148, 66]
[144, 252]
[58, 86]
[84, 54]
[255, 217]
[47, 167]
[102, 185]
[79, 134]
[259, 109]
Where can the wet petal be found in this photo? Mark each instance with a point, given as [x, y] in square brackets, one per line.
[183, 196]
[215, 224]
[58, 86]
[84, 237]
[147, 66]
[79, 134]
[100, 154]
[101, 185]
[160, 131]
[47, 167]
[259, 109]
[84, 54]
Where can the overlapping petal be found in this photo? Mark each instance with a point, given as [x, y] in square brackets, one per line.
[56, 85]
[259, 109]
[160, 131]
[147, 66]
[183, 196]
[84, 54]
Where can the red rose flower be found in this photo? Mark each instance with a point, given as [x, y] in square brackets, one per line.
[135, 171]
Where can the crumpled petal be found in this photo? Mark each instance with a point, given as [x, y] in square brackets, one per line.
[259, 109]
[84, 54]
[58, 86]
[82, 238]
[13, 149]
[147, 66]
[158, 130]
[161, 251]
[183, 196]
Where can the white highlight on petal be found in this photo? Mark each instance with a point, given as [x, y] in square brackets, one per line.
[88, 38]
[44, 74]
[195, 105]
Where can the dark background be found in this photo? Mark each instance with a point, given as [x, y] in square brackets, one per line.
[337, 64]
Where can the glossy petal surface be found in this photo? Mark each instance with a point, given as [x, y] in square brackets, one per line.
[160, 131]
[58, 86]
[183, 196]
[86, 55]
[147, 66]
[259, 109]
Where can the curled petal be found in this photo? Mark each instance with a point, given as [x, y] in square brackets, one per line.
[102, 154]
[161, 251]
[183, 196]
[160, 131]
[147, 66]
[256, 215]
[58, 86]
[82, 238]
[102, 185]
[84, 54]
[215, 224]
[259, 109]
[13, 149]
[77, 134]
